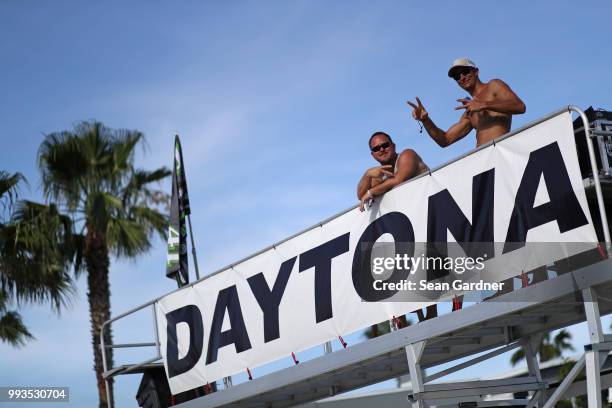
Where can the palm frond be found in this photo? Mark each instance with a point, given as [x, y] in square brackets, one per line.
[517, 356]
[8, 188]
[152, 220]
[8, 183]
[90, 170]
[547, 350]
[140, 177]
[127, 238]
[12, 329]
[123, 148]
[562, 340]
[36, 253]
[78, 242]
[63, 167]
[137, 192]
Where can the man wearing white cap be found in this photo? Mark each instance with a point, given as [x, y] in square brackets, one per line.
[489, 110]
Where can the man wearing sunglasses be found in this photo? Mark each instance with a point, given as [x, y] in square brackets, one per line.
[394, 169]
[489, 110]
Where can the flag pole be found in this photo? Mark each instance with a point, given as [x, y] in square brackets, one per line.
[193, 249]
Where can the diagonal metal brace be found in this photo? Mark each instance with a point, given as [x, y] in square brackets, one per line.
[567, 381]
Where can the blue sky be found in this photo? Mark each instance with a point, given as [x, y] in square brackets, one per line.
[274, 102]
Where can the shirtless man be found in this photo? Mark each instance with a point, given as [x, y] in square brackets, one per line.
[395, 168]
[489, 111]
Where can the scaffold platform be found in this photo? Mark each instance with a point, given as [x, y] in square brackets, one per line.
[500, 325]
[467, 336]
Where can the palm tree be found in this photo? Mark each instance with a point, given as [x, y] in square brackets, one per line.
[35, 253]
[89, 172]
[547, 349]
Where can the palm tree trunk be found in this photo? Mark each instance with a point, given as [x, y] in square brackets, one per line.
[98, 295]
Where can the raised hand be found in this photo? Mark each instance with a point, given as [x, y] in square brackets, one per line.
[418, 111]
[470, 105]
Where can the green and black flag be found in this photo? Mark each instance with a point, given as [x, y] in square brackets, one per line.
[177, 265]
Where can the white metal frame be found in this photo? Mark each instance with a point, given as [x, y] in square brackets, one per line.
[414, 340]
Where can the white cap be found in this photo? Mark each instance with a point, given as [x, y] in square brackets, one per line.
[461, 62]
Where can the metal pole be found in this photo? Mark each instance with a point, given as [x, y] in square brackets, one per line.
[193, 249]
[593, 377]
[531, 357]
[103, 351]
[156, 329]
[592, 359]
[530, 347]
[414, 352]
[327, 349]
[108, 397]
[591, 310]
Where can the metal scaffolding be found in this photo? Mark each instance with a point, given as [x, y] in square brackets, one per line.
[513, 320]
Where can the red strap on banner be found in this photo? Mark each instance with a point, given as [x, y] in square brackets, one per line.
[524, 279]
[249, 373]
[207, 389]
[342, 341]
[295, 360]
[172, 400]
[602, 252]
[457, 303]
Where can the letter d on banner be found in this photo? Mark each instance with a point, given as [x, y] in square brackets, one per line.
[190, 315]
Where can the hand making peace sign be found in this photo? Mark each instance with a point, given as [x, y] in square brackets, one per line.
[470, 105]
[418, 113]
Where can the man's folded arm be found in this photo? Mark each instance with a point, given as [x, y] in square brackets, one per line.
[407, 167]
[367, 182]
[363, 185]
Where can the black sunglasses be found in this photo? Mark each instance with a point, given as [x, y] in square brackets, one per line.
[380, 146]
[461, 71]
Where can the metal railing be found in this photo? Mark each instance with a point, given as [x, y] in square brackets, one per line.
[108, 372]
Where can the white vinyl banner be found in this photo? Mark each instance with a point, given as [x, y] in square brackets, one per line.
[311, 288]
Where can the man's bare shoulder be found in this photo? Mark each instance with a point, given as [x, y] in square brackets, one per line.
[408, 154]
[409, 158]
[497, 83]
